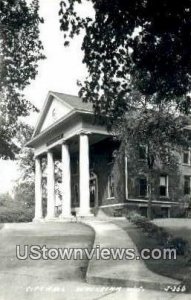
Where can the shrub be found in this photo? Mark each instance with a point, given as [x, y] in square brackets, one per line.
[14, 211]
[135, 217]
[179, 244]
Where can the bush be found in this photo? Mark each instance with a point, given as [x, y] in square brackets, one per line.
[179, 244]
[14, 211]
[134, 216]
[152, 230]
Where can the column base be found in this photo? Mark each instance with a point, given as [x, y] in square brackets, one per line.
[63, 217]
[38, 220]
[84, 215]
[49, 219]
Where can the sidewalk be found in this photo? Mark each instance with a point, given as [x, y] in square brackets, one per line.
[122, 273]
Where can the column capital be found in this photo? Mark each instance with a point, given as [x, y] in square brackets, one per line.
[84, 132]
[64, 142]
[37, 156]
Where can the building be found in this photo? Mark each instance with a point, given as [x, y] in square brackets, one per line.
[93, 176]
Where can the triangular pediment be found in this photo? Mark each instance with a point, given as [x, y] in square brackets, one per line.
[53, 110]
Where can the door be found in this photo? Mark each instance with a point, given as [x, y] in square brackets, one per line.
[93, 190]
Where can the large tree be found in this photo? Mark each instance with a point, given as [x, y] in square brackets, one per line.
[138, 57]
[20, 51]
[160, 136]
[142, 45]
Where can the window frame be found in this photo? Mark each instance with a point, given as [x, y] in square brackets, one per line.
[109, 194]
[166, 186]
[143, 178]
[189, 158]
[146, 151]
[189, 177]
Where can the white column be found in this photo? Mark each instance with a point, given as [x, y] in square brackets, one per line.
[38, 189]
[84, 176]
[66, 182]
[50, 186]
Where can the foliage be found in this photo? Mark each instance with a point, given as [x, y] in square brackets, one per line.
[24, 194]
[162, 133]
[19, 209]
[134, 45]
[15, 211]
[164, 238]
[25, 157]
[4, 197]
[20, 51]
[180, 244]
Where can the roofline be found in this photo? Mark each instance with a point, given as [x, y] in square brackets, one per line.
[42, 114]
[62, 100]
[57, 123]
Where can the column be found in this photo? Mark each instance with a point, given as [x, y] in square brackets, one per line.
[50, 186]
[84, 176]
[38, 189]
[66, 182]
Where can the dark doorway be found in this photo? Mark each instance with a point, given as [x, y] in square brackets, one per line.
[93, 190]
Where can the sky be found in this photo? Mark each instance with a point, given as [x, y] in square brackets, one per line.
[58, 72]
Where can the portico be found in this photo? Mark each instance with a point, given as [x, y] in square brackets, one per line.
[84, 208]
[64, 128]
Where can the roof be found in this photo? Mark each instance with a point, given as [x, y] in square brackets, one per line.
[75, 104]
[74, 101]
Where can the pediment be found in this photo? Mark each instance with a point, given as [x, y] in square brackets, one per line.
[53, 110]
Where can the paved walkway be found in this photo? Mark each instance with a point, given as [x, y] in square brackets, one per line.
[128, 273]
[51, 281]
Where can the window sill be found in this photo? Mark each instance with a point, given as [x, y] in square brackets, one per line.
[188, 165]
[110, 198]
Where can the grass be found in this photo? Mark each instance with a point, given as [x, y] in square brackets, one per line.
[14, 211]
[54, 235]
[177, 269]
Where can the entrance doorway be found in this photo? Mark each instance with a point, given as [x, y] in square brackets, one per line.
[93, 190]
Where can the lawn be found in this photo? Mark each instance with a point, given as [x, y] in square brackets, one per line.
[177, 269]
[16, 274]
[178, 227]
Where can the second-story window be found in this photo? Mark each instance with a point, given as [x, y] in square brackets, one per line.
[142, 152]
[186, 157]
[163, 186]
[186, 185]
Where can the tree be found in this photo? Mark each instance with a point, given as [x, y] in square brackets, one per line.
[26, 163]
[161, 134]
[20, 51]
[138, 57]
[134, 45]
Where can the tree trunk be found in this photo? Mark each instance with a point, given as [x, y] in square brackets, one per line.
[149, 210]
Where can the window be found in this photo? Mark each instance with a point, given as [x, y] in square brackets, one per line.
[186, 185]
[142, 152]
[111, 186]
[163, 186]
[186, 157]
[142, 187]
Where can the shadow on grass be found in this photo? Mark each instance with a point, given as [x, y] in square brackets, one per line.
[177, 269]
